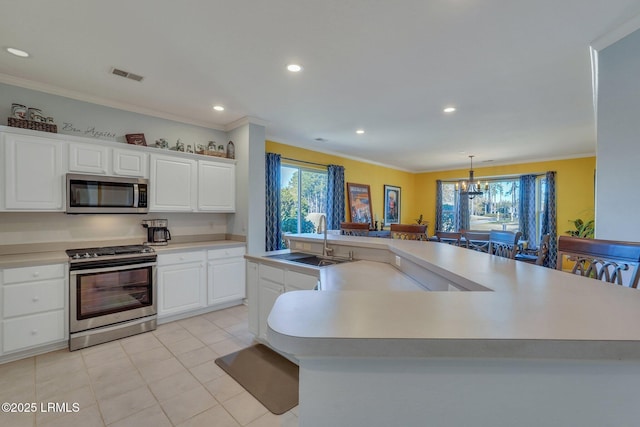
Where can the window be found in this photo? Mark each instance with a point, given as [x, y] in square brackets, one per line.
[496, 209]
[303, 198]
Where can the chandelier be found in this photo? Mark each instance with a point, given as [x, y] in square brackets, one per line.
[472, 189]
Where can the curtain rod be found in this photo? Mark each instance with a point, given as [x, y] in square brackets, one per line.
[304, 161]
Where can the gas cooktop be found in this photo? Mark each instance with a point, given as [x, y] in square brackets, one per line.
[109, 251]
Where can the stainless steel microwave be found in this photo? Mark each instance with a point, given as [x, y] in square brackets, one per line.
[106, 194]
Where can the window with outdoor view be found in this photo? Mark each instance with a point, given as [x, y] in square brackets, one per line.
[303, 198]
[495, 209]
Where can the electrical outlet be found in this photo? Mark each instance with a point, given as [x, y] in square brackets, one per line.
[398, 261]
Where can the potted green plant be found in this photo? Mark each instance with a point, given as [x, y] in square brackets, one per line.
[584, 229]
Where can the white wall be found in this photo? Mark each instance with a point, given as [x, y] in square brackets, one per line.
[52, 227]
[618, 147]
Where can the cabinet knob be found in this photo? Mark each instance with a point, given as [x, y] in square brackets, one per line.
[181, 258]
[34, 332]
[36, 273]
[35, 299]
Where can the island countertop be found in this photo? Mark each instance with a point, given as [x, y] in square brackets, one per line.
[528, 312]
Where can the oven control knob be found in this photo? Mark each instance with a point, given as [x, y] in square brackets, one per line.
[86, 255]
[76, 256]
[95, 255]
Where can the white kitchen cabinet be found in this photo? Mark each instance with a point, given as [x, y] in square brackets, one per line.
[253, 279]
[130, 163]
[34, 173]
[216, 186]
[34, 306]
[268, 292]
[271, 282]
[173, 182]
[226, 275]
[182, 282]
[88, 158]
[295, 281]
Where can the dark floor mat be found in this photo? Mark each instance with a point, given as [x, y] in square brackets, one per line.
[269, 377]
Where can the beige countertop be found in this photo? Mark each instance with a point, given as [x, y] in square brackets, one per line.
[29, 259]
[532, 312]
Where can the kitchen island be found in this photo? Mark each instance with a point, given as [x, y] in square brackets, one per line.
[525, 345]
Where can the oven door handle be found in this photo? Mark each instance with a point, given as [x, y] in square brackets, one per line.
[108, 269]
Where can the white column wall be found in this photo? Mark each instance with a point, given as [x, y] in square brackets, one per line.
[618, 148]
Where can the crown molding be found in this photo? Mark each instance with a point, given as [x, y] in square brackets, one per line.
[245, 121]
[616, 34]
[78, 96]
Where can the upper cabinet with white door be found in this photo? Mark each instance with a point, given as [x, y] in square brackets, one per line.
[173, 182]
[216, 186]
[104, 160]
[130, 163]
[34, 171]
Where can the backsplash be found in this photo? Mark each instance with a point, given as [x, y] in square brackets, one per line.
[52, 227]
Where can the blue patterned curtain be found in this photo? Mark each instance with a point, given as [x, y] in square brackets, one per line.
[272, 193]
[549, 219]
[438, 206]
[528, 210]
[462, 213]
[335, 196]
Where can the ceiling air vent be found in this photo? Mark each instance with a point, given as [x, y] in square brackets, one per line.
[126, 74]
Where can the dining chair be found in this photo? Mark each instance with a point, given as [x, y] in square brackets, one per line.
[611, 261]
[354, 228]
[504, 243]
[535, 256]
[476, 240]
[409, 232]
[450, 237]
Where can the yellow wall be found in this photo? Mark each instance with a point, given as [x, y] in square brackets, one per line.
[360, 173]
[574, 186]
[574, 183]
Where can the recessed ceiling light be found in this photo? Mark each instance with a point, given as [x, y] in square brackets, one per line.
[449, 109]
[294, 68]
[360, 131]
[218, 107]
[17, 52]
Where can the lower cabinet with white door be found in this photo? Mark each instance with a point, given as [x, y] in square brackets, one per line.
[192, 282]
[34, 309]
[182, 282]
[225, 275]
[266, 283]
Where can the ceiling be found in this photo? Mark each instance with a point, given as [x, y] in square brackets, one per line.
[518, 71]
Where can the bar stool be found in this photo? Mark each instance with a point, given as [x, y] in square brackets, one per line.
[610, 261]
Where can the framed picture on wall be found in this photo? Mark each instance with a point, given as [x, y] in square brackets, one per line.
[391, 205]
[359, 199]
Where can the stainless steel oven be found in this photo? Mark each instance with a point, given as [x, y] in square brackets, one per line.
[113, 293]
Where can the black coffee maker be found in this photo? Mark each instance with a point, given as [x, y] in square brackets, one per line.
[157, 232]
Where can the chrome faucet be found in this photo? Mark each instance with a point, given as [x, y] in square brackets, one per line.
[326, 250]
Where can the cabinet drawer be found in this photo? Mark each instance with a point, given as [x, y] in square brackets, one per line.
[271, 273]
[30, 298]
[180, 257]
[29, 331]
[299, 281]
[31, 274]
[225, 253]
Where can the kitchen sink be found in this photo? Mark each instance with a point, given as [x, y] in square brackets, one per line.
[309, 259]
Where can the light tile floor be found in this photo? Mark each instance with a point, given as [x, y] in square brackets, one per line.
[167, 377]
